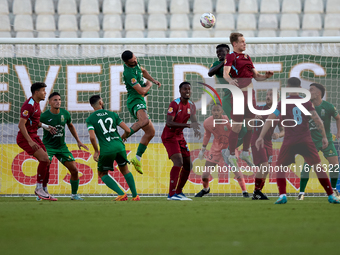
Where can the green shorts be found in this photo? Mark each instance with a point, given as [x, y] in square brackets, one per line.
[330, 151]
[63, 154]
[136, 105]
[105, 162]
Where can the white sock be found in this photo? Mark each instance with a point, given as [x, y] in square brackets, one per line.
[283, 195]
[138, 157]
[244, 191]
[39, 185]
[206, 189]
[45, 189]
[302, 193]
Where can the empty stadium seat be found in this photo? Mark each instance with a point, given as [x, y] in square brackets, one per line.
[225, 21]
[90, 34]
[246, 22]
[112, 7]
[89, 7]
[67, 7]
[23, 23]
[157, 7]
[5, 23]
[112, 22]
[331, 33]
[225, 6]
[289, 21]
[112, 34]
[134, 7]
[248, 6]
[313, 6]
[4, 7]
[201, 34]
[266, 33]
[68, 34]
[157, 22]
[202, 6]
[332, 21]
[89, 22]
[311, 22]
[247, 33]
[268, 21]
[222, 33]
[134, 22]
[333, 6]
[24, 34]
[67, 23]
[291, 6]
[178, 34]
[44, 7]
[134, 34]
[45, 22]
[156, 34]
[270, 6]
[179, 6]
[179, 22]
[46, 34]
[196, 24]
[310, 33]
[22, 7]
[288, 33]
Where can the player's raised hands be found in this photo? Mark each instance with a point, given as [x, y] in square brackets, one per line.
[259, 143]
[81, 145]
[269, 74]
[96, 156]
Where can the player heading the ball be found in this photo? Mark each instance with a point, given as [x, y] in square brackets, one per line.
[137, 89]
[103, 125]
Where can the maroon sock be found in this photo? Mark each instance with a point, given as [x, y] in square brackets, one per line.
[281, 182]
[233, 137]
[263, 182]
[182, 180]
[42, 170]
[174, 173]
[246, 140]
[47, 177]
[258, 182]
[324, 181]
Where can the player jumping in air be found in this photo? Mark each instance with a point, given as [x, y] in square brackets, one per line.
[133, 77]
[242, 70]
[220, 142]
[55, 143]
[297, 140]
[29, 140]
[103, 125]
[325, 111]
[263, 156]
[179, 112]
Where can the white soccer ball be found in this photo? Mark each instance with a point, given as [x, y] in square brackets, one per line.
[208, 20]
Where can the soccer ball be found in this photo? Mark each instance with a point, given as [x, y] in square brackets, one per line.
[208, 20]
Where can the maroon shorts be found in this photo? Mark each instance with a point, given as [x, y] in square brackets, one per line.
[174, 146]
[247, 113]
[262, 155]
[23, 144]
[306, 149]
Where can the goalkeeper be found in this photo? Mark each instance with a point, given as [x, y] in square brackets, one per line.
[133, 77]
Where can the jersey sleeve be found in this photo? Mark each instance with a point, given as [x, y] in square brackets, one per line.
[68, 117]
[117, 118]
[89, 124]
[334, 111]
[229, 60]
[309, 106]
[172, 110]
[277, 112]
[130, 78]
[26, 111]
[251, 61]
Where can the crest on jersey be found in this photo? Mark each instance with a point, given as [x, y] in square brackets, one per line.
[188, 110]
[225, 61]
[62, 118]
[25, 113]
[245, 56]
[171, 110]
[323, 112]
[133, 81]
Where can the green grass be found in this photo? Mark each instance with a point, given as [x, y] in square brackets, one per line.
[209, 225]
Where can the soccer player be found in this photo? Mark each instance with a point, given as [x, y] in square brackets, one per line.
[263, 156]
[325, 111]
[55, 143]
[297, 140]
[242, 70]
[137, 89]
[103, 125]
[221, 133]
[179, 112]
[29, 141]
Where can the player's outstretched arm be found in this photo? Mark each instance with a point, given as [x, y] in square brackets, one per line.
[127, 130]
[23, 130]
[226, 76]
[320, 127]
[143, 90]
[146, 75]
[261, 77]
[75, 135]
[94, 144]
[206, 138]
[337, 118]
[214, 70]
[49, 128]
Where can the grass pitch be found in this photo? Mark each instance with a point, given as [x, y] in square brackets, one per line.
[208, 225]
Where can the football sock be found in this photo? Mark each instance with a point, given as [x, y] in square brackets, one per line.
[303, 184]
[205, 183]
[42, 170]
[47, 177]
[184, 175]
[112, 185]
[39, 185]
[140, 150]
[174, 173]
[206, 189]
[263, 183]
[240, 179]
[246, 140]
[334, 174]
[131, 182]
[258, 183]
[74, 186]
[281, 182]
[233, 137]
[324, 181]
[282, 195]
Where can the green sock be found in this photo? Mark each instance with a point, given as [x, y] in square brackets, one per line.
[334, 174]
[112, 185]
[141, 149]
[304, 177]
[131, 182]
[74, 186]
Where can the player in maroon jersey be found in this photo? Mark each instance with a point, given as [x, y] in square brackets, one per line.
[241, 68]
[179, 112]
[297, 140]
[263, 157]
[29, 140]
